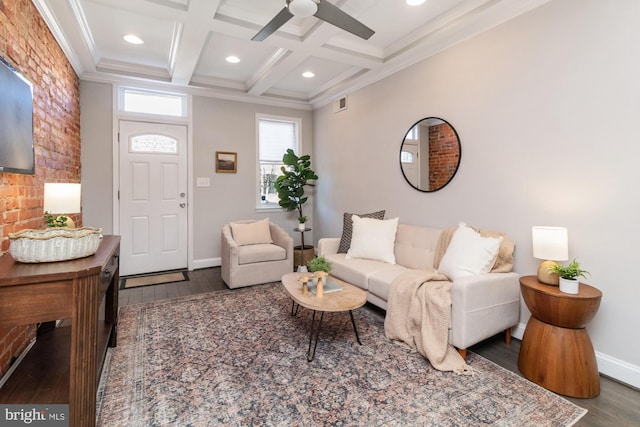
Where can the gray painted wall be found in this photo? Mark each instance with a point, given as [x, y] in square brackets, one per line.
[96, 158]
[218, 125]
[546, 107]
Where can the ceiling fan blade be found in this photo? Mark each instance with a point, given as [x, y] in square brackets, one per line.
[334, 16]
[278, 21]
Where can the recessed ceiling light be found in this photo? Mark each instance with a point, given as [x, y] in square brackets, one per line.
[133, 39]
[415, 2]
[232, 59]
[308, 74]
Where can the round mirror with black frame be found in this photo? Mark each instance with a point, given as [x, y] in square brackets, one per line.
[430, 154]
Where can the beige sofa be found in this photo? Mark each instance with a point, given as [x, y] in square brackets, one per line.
[482, 305]
[261, 252]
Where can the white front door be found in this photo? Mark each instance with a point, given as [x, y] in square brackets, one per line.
[153, 197]
[410, 166]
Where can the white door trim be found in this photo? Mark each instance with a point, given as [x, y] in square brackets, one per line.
[115, 163]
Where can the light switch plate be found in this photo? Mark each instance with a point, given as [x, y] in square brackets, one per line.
[203, 182]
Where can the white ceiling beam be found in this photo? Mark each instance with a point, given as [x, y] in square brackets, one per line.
[190, 43]
[149, 8]
[59, 19]
[316, 37]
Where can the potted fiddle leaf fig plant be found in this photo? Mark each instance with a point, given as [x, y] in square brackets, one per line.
[296, 175]
[569, 275]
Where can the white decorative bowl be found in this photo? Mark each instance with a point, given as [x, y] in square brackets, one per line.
[54, 244]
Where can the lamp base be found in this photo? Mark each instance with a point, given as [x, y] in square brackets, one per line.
[547, 277]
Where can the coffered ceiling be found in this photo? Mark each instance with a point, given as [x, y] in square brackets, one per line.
[186, 43]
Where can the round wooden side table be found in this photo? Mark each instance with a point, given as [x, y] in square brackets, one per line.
[556, 351]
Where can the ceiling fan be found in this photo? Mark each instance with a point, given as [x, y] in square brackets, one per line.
[321, 9]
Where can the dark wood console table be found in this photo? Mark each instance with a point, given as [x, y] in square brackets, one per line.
[64, 365]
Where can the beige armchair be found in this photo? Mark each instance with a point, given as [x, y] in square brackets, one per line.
[255, 252]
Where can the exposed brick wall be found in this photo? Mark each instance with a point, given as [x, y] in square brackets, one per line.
[27, 44]
[444, 155]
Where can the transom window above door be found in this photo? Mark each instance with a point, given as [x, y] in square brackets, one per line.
[142, 101]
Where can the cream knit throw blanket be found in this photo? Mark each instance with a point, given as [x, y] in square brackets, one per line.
[419, 313]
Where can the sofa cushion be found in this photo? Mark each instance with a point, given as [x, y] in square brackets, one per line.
[504, 260]
[251, 233]
[249, 254]
[347, 228]
[373, 239]
[468, 253]
[416, 246]
[356, 271]
[380, 282]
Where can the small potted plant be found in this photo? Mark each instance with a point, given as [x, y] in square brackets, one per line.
[320, 268]
[569, 276]
[302, 223]
[319, 264]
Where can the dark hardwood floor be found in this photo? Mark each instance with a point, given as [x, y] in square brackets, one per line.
[617, 405]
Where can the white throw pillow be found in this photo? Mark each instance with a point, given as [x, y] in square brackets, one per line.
[251, 233]
[373, 239]
[469, 254]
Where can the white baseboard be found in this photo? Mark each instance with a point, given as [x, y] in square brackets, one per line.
[616, 369]
[518, 331]
[206, 263]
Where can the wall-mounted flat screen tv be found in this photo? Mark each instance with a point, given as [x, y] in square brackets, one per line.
[16, 121]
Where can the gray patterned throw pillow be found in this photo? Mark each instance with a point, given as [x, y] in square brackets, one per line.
[347, 228]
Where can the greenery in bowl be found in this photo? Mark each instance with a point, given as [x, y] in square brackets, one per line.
[319, 264]
[302, 219]
[570, 272]
[55, 220]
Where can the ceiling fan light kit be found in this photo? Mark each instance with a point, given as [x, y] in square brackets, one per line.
[302, 8]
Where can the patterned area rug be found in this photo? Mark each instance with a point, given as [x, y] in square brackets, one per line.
[238, 357]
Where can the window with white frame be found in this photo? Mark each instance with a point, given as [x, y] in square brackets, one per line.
[406, 157]
[133, 100]
[275, 136]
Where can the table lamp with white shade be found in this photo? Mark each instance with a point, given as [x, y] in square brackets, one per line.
[62, 199]
[550, 244]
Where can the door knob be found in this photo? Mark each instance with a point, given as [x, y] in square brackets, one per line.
[182, 205]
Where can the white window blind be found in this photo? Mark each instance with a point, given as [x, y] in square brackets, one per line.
[275, 138]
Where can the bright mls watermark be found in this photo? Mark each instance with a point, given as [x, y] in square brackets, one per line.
[34, 415]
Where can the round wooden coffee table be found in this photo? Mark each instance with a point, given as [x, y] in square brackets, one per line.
[348, 299]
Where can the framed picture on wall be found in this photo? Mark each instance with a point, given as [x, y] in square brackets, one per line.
[226, 162]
